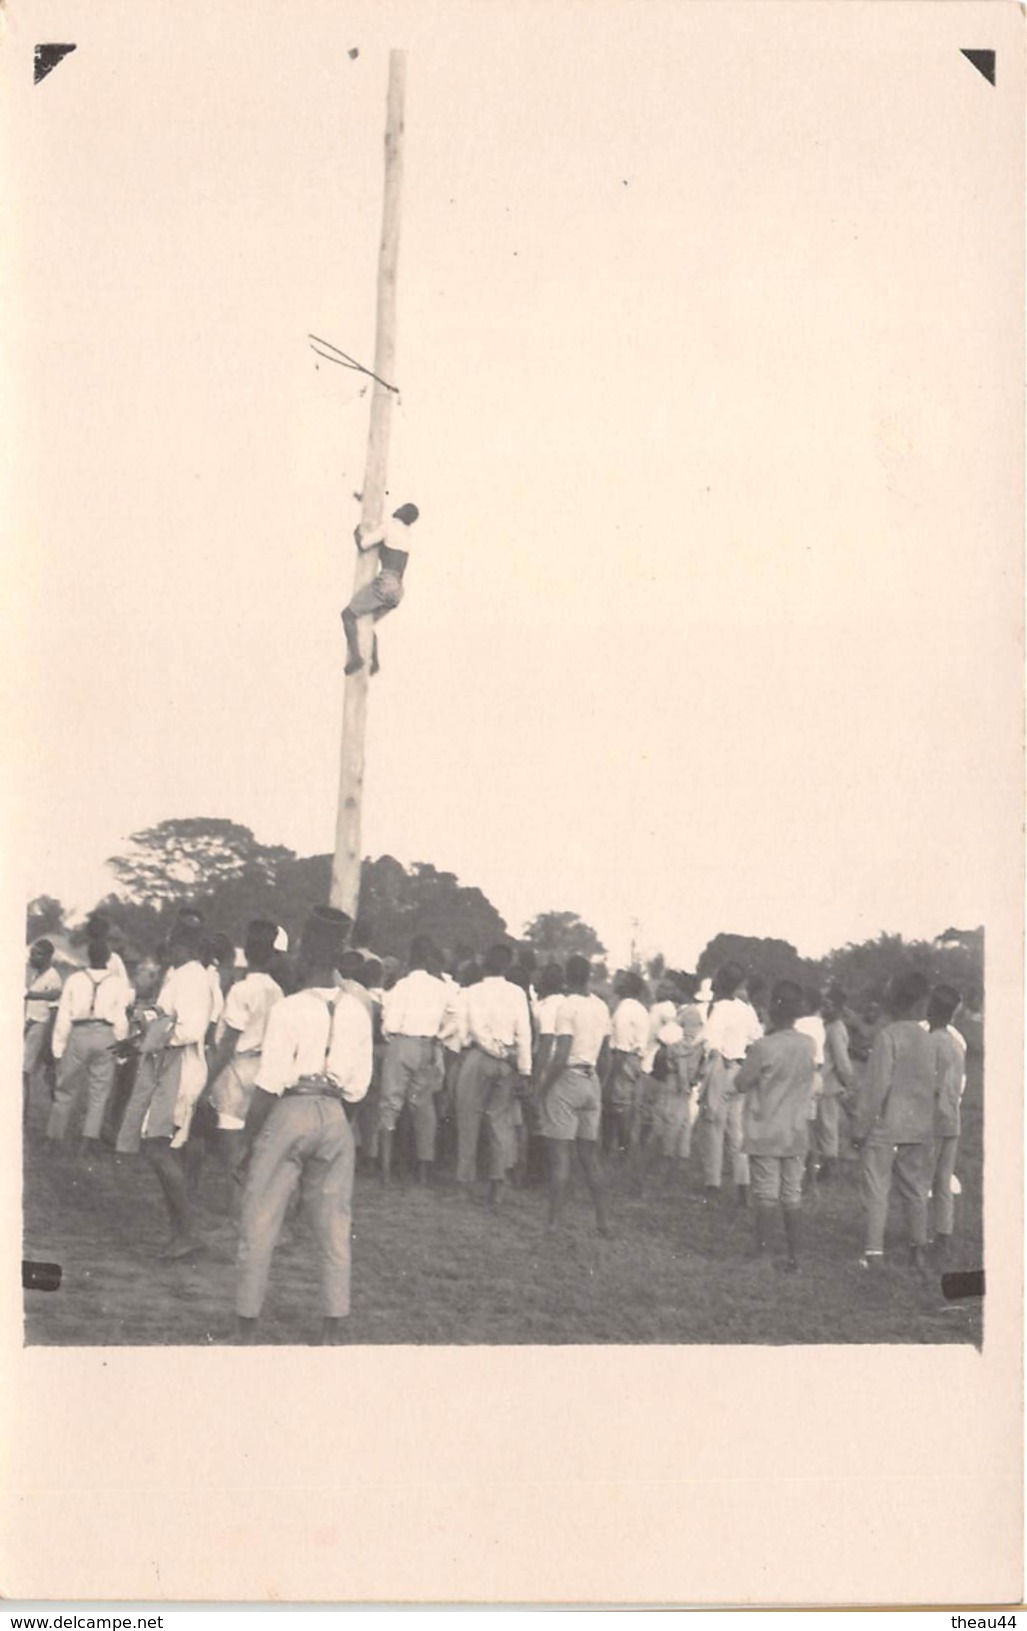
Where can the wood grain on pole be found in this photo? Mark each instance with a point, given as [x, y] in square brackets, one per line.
[347, 860]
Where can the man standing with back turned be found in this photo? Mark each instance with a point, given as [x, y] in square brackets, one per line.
[316, 1060]
[570, 1094]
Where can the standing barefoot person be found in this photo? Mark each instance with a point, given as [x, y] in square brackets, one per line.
[571, 1095]
[775, 1081]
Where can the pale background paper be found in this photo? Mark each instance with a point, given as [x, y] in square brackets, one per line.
[710, 341]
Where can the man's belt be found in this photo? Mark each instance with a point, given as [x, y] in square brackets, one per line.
[586, 1070]
[109, 1023]
[315, 1087]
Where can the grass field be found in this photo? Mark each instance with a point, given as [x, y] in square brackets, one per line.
[430, 1267]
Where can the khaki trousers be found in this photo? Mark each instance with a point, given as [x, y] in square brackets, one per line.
[88, 1062]
[944, 1166]
[911, 1166]
[411, 1074]
[722, 1126]
[826, 1138]
[306, 1140]
[484, 1092]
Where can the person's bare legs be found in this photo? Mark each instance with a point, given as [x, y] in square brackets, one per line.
[559, 1175]
[354, 660]
[588, 1155]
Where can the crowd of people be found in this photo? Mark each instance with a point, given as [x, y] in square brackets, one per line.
[287, 1071]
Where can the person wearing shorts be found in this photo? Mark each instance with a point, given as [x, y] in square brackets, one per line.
[775, 1082]
[571, 1095]
[385, 590]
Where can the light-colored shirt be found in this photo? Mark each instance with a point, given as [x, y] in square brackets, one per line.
[92, 993]
[498, 1020]
[586, 1020]
[732, 1027]
[660, 1014]
[950, 1066]
[392, 533]
[839, 1074]
[629, 1032]
[454, 1026]
[692, 1019]
[46, 991]
[187, 996]
[417, 1005]
[116, 966]
[247, 1006]
[548, 1009]
[217, 996]
[318, 1033]
[812, 1025]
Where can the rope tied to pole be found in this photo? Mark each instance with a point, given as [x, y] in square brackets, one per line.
[332, 353]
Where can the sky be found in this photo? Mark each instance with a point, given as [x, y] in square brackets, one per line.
[708, 322]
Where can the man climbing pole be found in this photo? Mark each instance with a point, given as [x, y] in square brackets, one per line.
[385, 591]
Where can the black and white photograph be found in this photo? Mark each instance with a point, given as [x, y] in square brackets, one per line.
[518, 617]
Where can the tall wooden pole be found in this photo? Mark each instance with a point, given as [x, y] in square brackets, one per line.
[346, 865]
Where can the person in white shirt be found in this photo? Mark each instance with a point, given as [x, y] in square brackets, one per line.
[571, 1094]
[631, 1046]
[454, 1045]
[171, 1075]
[731, 1029]
[811, 1023]
[317, 1060]
[385, 591]
[42, 994]
[552, 988]
[838, 1079]
[414, 1016]
[370, 980]
[498, 1050]
[92, 1017]
[520, 976]
[236, 1056]
[950, 1062]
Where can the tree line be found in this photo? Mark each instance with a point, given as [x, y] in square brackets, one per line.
[221, 867]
